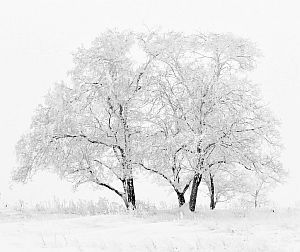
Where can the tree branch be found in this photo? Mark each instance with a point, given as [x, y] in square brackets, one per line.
[81, 136]
[159, 173]
[96, 180]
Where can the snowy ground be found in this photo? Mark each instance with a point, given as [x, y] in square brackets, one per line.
[220, 230]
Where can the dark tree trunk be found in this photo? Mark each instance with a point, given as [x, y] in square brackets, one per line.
[212, 192]
[130, 193]
[181, 199]
[193, 198]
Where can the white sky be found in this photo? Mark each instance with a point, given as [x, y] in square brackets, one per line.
[37, 38]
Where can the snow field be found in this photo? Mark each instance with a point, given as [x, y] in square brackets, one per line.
[220, 230]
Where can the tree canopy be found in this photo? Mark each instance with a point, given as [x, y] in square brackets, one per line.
[175, 105]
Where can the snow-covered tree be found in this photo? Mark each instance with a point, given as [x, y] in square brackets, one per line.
[166, 141]
[200, 88]
[180, 110]
[89, 131]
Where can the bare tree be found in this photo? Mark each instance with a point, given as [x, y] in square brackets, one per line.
[256, 188]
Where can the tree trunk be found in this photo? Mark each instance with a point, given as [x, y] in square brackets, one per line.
[130, 193]
[255, 199]
[193, 198]
[181, 199]
[124, 197]
[212, 192]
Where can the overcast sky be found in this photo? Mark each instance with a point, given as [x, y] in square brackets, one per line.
[38, 37]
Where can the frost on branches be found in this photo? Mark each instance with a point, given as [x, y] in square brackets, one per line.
[89, 132]
[177, 106]
[206, 111]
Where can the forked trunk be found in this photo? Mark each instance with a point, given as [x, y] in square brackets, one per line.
[193, 198]
[212, 192]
